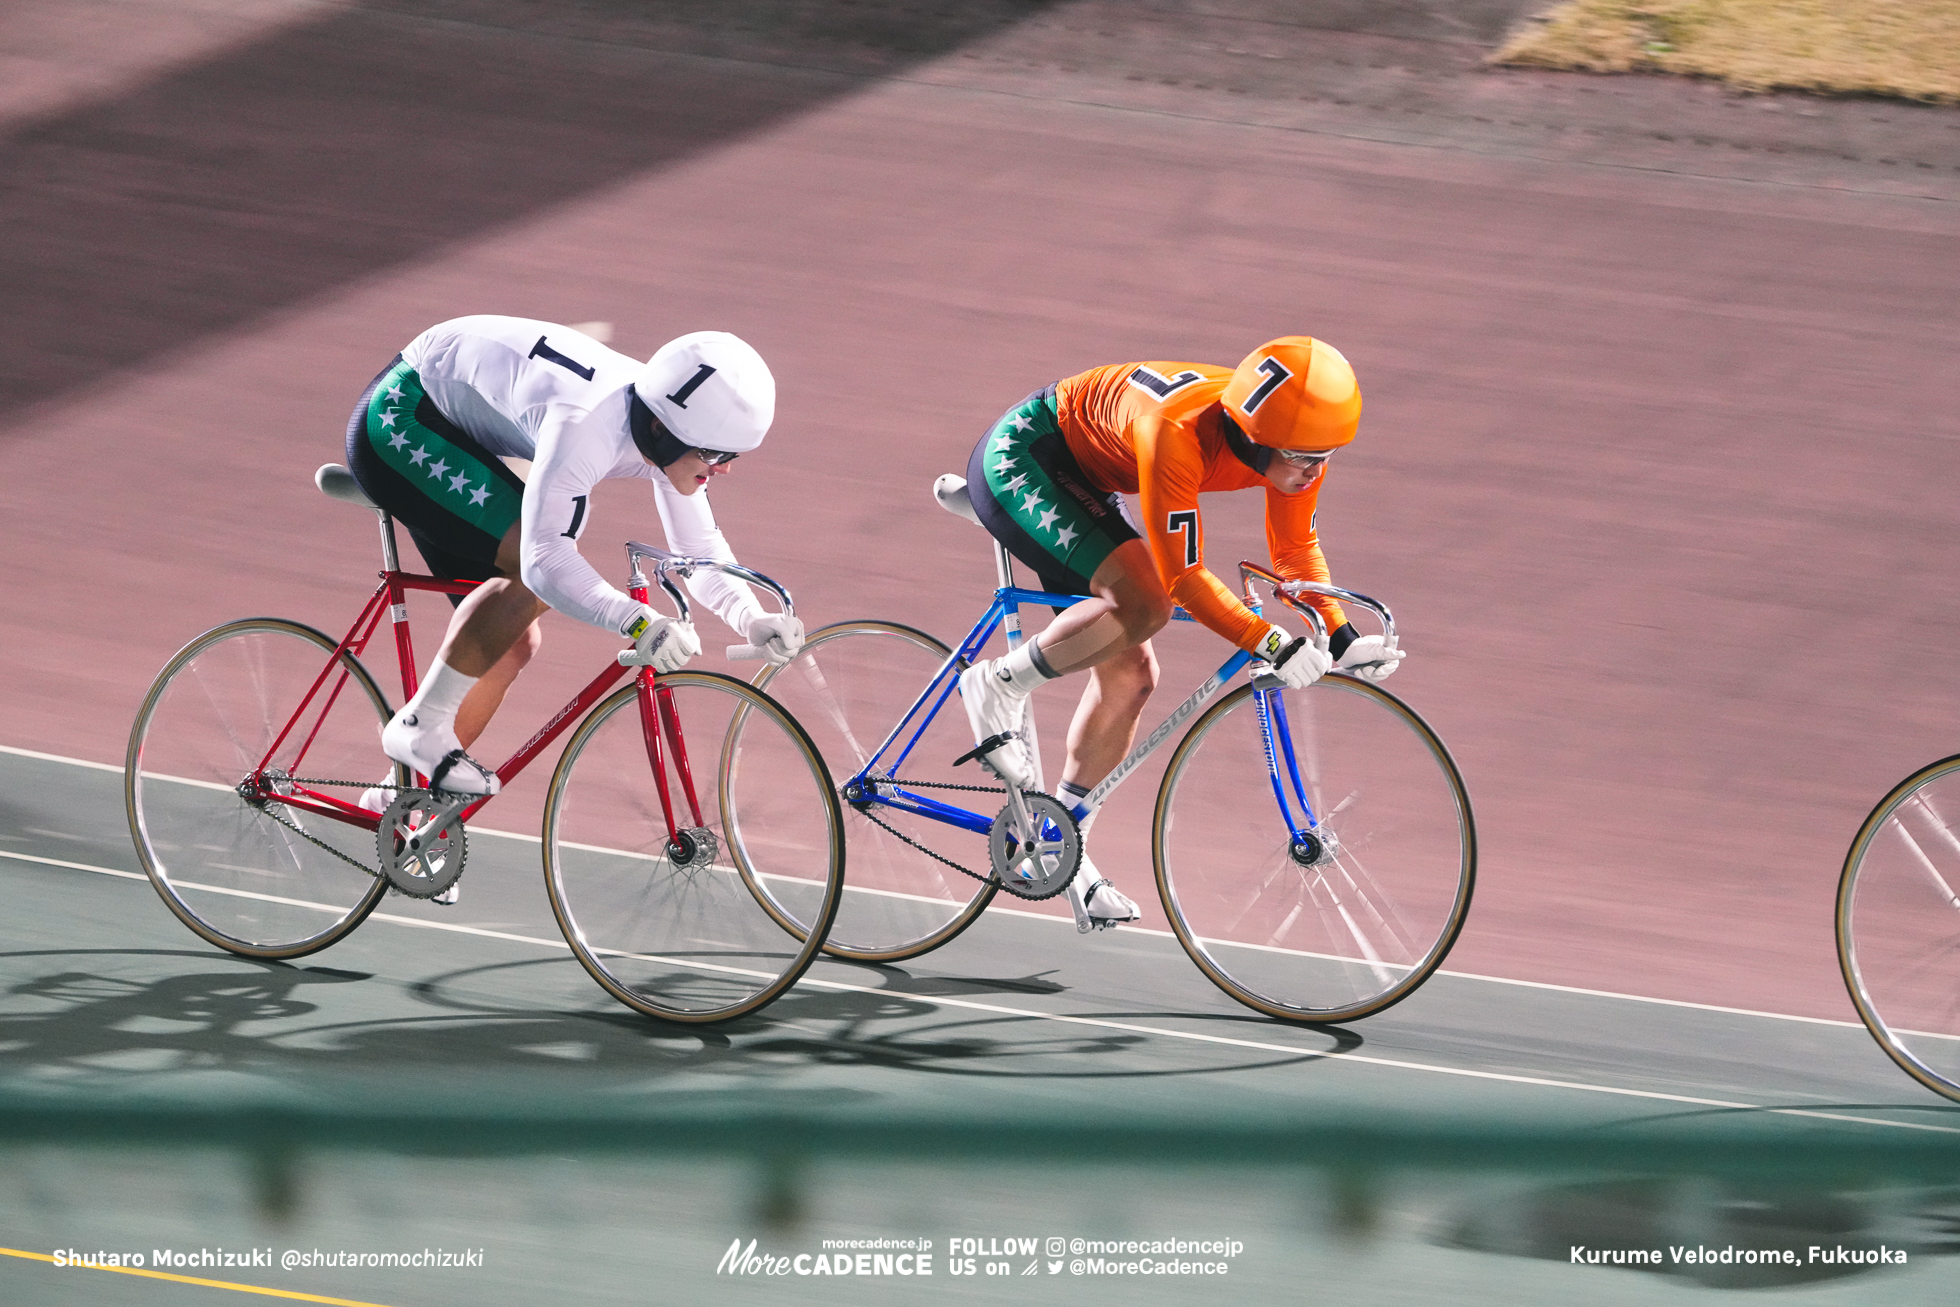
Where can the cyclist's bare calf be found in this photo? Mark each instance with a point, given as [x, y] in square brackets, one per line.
[1109, 633]
[492, 636]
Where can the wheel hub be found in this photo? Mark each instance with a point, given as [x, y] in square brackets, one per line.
[696, 846]
[1314, 847]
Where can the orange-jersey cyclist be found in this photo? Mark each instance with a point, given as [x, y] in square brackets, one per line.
[1047, 481]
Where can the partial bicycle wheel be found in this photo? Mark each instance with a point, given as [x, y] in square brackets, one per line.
[217, 745]
[670, 927]
[1358, 913]
[1898, 925]
[850, 686]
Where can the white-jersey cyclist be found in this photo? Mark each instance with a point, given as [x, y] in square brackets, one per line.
[427, 443]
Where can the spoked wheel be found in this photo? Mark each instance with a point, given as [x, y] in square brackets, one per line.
[1898, 925]
[206, 788]
[1357, 913]
[672, 927]
[850, 686]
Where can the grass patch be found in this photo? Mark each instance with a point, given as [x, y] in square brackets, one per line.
[1907, 48]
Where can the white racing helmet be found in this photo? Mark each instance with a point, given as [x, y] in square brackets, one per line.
[711, 390]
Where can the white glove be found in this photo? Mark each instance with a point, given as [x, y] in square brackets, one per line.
[1297, 663]
[778, 635]
[1371, 658]
[661, 642]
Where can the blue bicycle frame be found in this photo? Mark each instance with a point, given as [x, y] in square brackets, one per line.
[880, 783]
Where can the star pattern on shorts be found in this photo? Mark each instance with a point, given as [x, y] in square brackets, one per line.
[460, 482]
[395, 393]
[437, 469]
[478, 495]
[418, 456]
[388, 419]
[397, 440]
[1031, 502]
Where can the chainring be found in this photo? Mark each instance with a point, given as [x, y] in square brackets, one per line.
[422, 843]
[1043, 867]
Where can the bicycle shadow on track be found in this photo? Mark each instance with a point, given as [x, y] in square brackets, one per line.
[813, 1026]
[90, 1020]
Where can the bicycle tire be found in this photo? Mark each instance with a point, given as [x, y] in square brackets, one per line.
[1898, 925]
[849, 686]
[230, 870]
[1329, 940]
[679, 935]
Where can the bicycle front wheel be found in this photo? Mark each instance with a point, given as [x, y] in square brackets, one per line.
[673, 927]
[1898, 925]
[204, 786]
[850, 686]
[1356, 912]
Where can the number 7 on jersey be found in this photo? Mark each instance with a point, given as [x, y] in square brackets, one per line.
[1187, 522]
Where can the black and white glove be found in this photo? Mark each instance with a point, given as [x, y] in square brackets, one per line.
[661, 642]
[1370, 658]
[1297, 662]
[777, 635]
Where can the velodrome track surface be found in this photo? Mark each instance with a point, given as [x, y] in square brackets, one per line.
[1655, 473]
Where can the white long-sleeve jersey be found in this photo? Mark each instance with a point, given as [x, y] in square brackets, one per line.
[543, 392]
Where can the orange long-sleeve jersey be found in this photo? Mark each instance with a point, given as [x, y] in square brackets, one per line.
[1156, 430]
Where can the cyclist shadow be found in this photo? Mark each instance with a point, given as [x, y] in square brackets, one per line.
[816, 1026]
[1033, 1044]
[100, 1018]
[96, 1023]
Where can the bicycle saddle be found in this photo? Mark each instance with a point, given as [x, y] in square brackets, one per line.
[336, 482]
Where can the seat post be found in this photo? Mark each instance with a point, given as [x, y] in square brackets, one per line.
[1003, 565]
[391, 558]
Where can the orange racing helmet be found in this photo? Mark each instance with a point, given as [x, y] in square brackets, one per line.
[1295, 393]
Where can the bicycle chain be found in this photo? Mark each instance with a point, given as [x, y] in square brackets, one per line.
[937, 785]
[301, 831]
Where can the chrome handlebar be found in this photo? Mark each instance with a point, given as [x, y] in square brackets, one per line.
[667, 565]
[1288, 593]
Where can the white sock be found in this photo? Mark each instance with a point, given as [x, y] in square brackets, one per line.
[1077, 798]
[1022, 668]
[435, 703]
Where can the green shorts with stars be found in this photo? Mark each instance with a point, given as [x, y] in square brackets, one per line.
[456, 498]
[1031, 496]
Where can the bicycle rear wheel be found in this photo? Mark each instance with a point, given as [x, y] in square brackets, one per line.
[675, 930]
[1898, 925]
[244, 870]
[850, 686]
[1351, 920]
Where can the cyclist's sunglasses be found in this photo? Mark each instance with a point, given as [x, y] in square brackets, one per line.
[1303, 458]
[715, 457]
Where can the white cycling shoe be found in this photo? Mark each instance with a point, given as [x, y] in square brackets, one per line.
[376, 798]
[1098, 904]
[994, 707]
[437, 754]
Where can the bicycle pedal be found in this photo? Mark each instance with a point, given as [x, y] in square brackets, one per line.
[978, 753]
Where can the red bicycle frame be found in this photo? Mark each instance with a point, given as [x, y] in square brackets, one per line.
[657, 713]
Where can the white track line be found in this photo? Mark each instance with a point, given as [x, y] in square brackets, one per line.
[1165, 934]
[1100, 1023]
